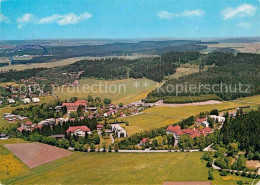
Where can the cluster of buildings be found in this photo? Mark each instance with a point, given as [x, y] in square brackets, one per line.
[176, 131]
[106, 111]
[12, 117]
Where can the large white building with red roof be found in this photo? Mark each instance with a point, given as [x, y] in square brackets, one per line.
[78, 131]
[74, 106]
[176, 131]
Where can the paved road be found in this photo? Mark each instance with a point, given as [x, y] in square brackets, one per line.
[155, 151]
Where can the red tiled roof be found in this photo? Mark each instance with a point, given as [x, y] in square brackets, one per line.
[175, 129]
[187, 131]
[144, 140]
[28, 123]
[207, 129]
[90, 116]
[20, 129]
[99, 126]
[81, 102]
[73, 129]
[38, 126]
[200, 120]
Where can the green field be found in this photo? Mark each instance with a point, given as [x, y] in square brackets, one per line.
[118, 90]
[156, 117]
[110, 168]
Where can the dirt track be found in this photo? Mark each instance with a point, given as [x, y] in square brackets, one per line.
[36, 154]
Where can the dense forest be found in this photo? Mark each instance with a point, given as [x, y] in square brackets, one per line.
[244, 129]
[14, 75]
[231, 77]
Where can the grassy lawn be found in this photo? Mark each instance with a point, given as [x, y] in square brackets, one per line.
[121, 90]
[120, 168]
[144, 122]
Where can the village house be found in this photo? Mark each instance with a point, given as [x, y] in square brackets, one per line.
[110, 113]
[50, 121]
[35, 100]
[92, 109]
[78, 131]
[22, 96]
[219, 119]
[174, 130]
[26, 100]
[14, 96]
[144, 141]
[10, 101]
[58, 136]
[122, 115]
[71, 107]
[28, 126]
[202, 121]
[205, 124]
[118, 130]
[4, 136]
[99, 128]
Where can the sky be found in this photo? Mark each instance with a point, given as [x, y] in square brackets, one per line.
[54, 19]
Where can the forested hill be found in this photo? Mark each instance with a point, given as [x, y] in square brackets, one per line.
[143, 47]
[113, 68]
[243, 129]
[229, 71]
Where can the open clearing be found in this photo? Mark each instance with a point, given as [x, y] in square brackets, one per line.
[118, 91]
[36, 154]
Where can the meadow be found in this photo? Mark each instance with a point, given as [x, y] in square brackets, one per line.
[160, 116]
[112, 168]
[118, 91]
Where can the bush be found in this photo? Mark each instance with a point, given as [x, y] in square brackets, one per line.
[49, 140]
[209, 164]
[78, 147]
[243, 173]
[85, 147]
[237, 173]
[224, 173]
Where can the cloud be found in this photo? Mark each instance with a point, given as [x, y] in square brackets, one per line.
[239, 11]
[3, 18]
[244, 25]
[65, 19]
[195, 13]
[165, 15]
[185, 13]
